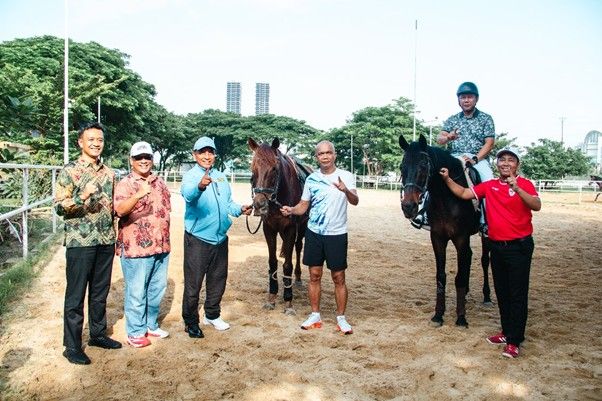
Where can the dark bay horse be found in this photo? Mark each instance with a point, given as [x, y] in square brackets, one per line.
[451, 218]
[598, 181]
[276, 181]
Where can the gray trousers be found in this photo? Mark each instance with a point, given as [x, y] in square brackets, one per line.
[203, 261]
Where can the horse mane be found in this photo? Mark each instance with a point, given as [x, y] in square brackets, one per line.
[442, 158]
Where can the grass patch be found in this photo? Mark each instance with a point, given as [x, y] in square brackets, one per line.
[15, 279]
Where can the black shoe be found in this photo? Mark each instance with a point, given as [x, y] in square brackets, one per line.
[194, 331]
[104, 342]
[76, 356]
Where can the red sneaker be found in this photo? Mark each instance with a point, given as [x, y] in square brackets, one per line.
[499, 338]
[138, 342]
[510, 351]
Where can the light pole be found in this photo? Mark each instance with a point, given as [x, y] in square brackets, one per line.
[66, 89]
[430, 123]
[352, 153]
[98, 113]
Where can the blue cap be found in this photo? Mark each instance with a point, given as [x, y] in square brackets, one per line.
[204, 142]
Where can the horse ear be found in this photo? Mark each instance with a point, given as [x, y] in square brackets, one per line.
[252, 144]
[276, 143]
[422, 142]
[403, 143]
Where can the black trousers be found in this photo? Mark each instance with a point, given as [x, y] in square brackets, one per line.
[87, 267]
[203, 260]
[511, 266]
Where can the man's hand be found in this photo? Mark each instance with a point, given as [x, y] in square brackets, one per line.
[89, 190]
[205, 180]
[286, 210]
[145, 189]
[246, 209]
[452, 136]
[444, 172]
[341, 185]
[512, 182]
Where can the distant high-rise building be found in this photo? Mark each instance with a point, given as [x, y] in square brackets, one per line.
[262, 98]
[233, 98]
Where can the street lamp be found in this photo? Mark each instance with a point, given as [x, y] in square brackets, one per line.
[66, 89]
[352, 153]
[430, 123]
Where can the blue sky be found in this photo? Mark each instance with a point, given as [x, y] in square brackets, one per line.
[534, 61]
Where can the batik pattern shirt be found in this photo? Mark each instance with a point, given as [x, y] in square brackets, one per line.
[89, 222]
[471, 132]
[145, 230]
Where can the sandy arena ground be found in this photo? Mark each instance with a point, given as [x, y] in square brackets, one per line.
[394, 353]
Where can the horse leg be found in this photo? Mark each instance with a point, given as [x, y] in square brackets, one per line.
[439, 247]
[485, 257]
[298, 247]
[270, 238]
[288, 242]
[462, 244]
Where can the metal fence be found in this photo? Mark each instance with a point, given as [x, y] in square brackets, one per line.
[22, 230]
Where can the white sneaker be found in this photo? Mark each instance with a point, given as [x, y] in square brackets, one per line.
[314, 321]
[343, 326]
[218, 323]
[158, 332]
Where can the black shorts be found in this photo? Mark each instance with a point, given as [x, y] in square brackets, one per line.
[330, 248]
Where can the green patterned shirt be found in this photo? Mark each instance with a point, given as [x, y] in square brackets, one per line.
[471, 132]
[87, 223]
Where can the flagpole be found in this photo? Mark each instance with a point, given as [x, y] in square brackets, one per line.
[415, 57]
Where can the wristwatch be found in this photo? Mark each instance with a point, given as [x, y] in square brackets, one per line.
[475, 159]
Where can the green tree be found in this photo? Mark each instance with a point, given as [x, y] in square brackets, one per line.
[551, 160]
[31, 92]
[375, 132]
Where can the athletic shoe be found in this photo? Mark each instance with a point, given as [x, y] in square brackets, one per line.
[138, 342]
[218, 323]
[499, 338]
[158, 332]
[314, 321]
[343, 326]
[511, 351]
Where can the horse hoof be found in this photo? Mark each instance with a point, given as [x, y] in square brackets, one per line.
[269, 306]
[488, 304]
[437, 321]
[461, 321]
[289, 312]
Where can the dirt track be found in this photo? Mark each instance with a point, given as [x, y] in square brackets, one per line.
[394, 353]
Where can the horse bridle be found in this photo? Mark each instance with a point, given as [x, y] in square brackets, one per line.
[270, 192]
[421, 188]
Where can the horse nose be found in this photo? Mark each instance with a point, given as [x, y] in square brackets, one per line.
[409, 209]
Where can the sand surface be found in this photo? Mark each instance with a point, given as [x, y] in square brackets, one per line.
[394, 353]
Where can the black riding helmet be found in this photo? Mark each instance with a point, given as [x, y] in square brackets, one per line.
[467, 88]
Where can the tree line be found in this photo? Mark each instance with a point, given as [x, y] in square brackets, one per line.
[31, 113]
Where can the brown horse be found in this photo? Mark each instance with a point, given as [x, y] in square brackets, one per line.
[277, 180]
[451, 218]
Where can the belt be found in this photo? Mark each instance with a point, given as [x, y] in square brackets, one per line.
[511, 242]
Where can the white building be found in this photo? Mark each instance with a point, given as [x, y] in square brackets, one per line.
[592, 147]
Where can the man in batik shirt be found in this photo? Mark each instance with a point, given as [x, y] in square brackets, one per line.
[84, 197]
[142, 202]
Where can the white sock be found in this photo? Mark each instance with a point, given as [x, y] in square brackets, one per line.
[316, 314]
[340, 317]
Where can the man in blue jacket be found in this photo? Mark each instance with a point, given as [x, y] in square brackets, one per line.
[206, 222]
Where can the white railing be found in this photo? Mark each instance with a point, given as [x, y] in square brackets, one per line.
[24, 210]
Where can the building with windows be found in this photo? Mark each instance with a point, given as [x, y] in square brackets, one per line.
[592, 147]
[233, 97]
[262, 98]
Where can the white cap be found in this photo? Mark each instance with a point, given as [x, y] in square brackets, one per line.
[141, 148]
[509, 150]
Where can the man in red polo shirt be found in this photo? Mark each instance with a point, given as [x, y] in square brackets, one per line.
[510, 200]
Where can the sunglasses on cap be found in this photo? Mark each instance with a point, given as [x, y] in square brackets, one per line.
[142, 157]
